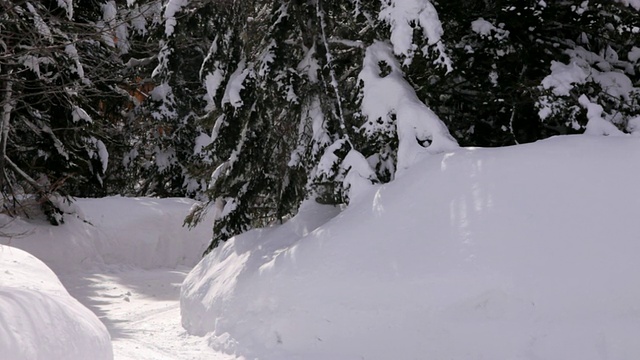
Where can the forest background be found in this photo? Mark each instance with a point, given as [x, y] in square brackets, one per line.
[253, 106]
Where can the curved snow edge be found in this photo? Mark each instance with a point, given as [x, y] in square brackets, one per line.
[510, 253]
[39, 319]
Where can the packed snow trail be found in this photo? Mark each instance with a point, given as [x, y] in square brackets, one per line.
[124, 259]
[141, 309]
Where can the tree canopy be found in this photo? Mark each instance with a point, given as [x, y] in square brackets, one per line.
[254, 106]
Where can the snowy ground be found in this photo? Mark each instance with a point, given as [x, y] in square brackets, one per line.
[527, 252]
[124, 259]
[38, 318]
[142, 312]
[521, 253]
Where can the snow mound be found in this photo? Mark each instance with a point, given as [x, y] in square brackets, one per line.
[39, 319]
[136, 232]
[525, 252]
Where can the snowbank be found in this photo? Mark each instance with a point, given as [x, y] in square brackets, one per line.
[526, 252]
[39, 319]
[137, 232]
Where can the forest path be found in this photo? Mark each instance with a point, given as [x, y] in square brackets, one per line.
[141, 309]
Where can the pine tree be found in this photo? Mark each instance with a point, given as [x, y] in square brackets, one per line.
[502, 52]
[284, 100]
[285, 85]
[253, 96]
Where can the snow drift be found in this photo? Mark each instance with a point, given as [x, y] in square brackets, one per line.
[525, 252]
[39, 319]
[139, 232]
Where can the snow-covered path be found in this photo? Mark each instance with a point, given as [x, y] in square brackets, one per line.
[141, 309]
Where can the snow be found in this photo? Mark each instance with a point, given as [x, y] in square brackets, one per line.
[123, 258]
[33, 63]
[329, 159]
[266, 58]
[203, 140]
[486, 29]
[78, 114]
[67, 5]
[103, 155]
[39, 319]
[563, 77]
[235, 86]
[582, 69]
[359, 177]
[138, 18]
[597, 125]
[402, 16]
[633, 3]
[525, 252]
[213, 49]
[78, 69]
[40, 25]
[163, 93]
[146, 233]
[633, 125]
[309, 64]
[634, 54]
[212, 83]
[171, 9]
[109, 13]
[383, 96]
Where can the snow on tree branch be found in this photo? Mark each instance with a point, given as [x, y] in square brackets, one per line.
[386, 97]
[67, 5]
[403, 16]
[633, 3]
[172, 8]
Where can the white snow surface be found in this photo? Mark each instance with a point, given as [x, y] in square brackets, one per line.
[125, 262]
[525, 252]
[520, 253]
[39, 319]
[146, 233]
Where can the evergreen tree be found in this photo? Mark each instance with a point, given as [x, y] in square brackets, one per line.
[500, 90]
[285, 85]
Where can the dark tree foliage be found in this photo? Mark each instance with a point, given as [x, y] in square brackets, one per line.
[58, 83]
[256, 106]
[491, 98]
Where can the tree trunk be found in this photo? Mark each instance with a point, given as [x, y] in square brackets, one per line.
[7, 108]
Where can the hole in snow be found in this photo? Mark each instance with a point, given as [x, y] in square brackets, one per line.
[384, 67]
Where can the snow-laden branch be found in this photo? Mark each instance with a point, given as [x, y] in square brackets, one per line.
[403, 16]
[633, 3]
[384, 97]
[172, 8]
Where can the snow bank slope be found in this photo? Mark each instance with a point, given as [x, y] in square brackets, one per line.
[138, 232]
[526, 252]
[39, 319]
